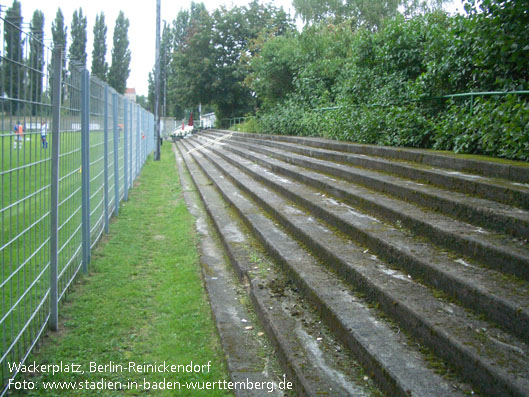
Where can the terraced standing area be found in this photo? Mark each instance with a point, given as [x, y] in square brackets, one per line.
[375, 271]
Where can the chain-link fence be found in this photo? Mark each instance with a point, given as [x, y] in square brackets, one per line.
[70, 149]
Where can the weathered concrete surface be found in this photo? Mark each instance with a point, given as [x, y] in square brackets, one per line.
[400, 270]
[231, 316]
[382, 350]
[429, 157]
[314, 370]
[486, 213]
[451, 335]
[481, 290]
[510, 193]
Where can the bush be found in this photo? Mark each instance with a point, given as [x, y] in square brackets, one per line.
[381, 85]
[496, 127]
[251, 125]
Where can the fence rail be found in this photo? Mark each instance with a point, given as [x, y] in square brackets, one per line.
[70, 149]
[237, 120]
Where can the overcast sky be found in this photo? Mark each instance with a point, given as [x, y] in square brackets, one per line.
[142, 30]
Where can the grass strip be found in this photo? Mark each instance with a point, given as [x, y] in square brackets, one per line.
[142, 302]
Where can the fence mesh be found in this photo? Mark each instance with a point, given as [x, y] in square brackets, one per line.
[26, 138]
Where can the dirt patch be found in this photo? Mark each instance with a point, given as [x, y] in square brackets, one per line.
[277, 287]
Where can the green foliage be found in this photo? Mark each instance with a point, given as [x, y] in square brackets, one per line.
[273, 69]
[497, 127]
[306, 64]
[36, 59]
[233, 32]
[58, 30]
[251, 125]
[99, 52]
[12, 73]
[119, 70]
[77, 50]
[210, 55]
[59, 36]
[380, 85]
[143, 101]
[193, 64]
[501, 53]
[166, 47]
[369, 14]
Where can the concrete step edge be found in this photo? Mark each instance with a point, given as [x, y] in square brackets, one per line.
[505, 256]
[279, 328]
[489, 215]
[449, 161]
[387, 374]
[471, 363]
[501, 191]
[497, 307]
[221, 291]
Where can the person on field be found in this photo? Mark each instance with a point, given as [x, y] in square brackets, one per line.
[43, 134]
[19, 135]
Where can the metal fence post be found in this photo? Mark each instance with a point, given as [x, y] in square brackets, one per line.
[144, 138]
[125, 157]
[138, 134]
[54, 187]
[85, 164]
[105, 158]
[116, 150]
[131, 129]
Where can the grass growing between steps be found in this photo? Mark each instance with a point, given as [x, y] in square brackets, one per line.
[143, 300]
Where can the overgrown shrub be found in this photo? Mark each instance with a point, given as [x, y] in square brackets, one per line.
[495, 127]
[381, 86]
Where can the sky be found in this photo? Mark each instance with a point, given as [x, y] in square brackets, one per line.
[142, 30]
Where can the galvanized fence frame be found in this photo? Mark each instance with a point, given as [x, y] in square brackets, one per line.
[71, 149]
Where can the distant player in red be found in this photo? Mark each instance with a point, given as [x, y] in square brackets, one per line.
[19, 133]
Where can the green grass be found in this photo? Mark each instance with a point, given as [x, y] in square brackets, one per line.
[25, 224]
[143, 300]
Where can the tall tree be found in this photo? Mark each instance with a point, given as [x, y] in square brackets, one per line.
[166, 44]
[12, 73]
[233, 31]
[36, 59]
[77, 51]
[175, 103]
[59, 36]
[119, 70]
[58, 30]
[180, 28]
[99, 53]
[362, 13]
[193, 64]
[209, 55]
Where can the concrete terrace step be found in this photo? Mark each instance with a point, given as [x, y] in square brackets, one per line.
[508, 254]
[310, 361]
[231, 315]
[481, 212]
[382, 349]
[502, 190]
[493, 360]
[478, 288]
[507, 170]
